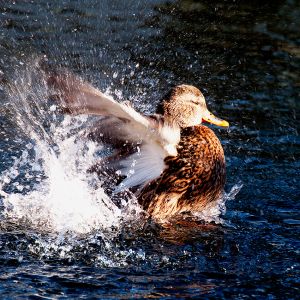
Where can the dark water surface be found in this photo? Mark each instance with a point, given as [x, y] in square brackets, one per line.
[245, 57]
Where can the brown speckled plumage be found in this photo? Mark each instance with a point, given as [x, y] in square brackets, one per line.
[193, 179]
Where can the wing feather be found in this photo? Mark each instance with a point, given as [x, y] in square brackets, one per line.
[157, 140]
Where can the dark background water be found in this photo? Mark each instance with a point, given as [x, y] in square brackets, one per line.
[245, 56]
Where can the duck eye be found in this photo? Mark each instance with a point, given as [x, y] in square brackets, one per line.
[195, 102]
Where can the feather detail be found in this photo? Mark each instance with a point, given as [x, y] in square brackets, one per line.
[121, 124]
[142, 167]
[148, 163]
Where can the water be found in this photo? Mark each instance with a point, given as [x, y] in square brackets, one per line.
[244, 56]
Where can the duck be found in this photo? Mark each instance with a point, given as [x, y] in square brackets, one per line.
[174, 164]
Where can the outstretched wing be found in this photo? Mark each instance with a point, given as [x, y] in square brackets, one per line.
[156, 139]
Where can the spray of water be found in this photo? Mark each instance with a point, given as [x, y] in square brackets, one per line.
[64, 196]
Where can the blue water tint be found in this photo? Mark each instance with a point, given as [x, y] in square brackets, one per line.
[244, 56]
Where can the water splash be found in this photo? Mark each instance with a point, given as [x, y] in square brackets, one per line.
[215, 212]
[61, 195]
[233, 191]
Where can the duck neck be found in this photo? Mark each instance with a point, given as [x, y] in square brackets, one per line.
[170, 122]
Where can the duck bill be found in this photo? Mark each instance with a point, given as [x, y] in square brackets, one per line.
[210, 118]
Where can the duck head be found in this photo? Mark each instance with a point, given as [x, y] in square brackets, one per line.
[185, 106]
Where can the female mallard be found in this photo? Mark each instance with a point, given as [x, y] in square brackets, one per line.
[178, 165]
